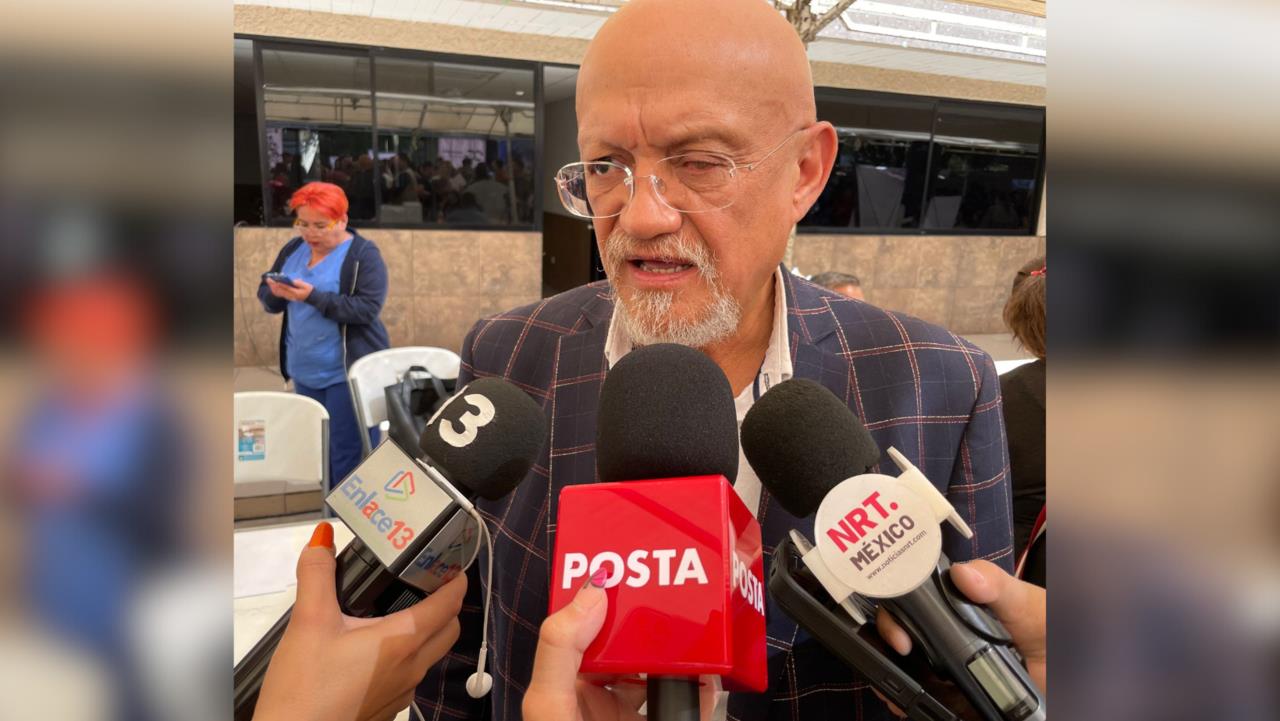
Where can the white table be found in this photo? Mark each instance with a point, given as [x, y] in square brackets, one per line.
[265, 583]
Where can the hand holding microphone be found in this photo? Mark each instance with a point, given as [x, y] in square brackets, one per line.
[879, 537]
[681, 555]
[1018, 605]
[415, 527]
[333, 667]
[558, 693]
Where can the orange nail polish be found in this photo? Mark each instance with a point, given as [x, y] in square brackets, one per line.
[322, 536]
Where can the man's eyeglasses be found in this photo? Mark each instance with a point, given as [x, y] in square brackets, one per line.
[689, 183]
[303, 225]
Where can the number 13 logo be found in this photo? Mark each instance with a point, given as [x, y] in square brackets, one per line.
[472, 421]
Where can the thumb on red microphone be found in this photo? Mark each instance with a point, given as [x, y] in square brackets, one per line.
[562, 641]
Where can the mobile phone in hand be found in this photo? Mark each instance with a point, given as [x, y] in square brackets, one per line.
[278, 277]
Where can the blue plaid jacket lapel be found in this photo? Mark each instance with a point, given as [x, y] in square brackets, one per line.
[809, 321]
[579, 371]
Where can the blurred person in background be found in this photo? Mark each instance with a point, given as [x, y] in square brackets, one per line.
[490, 195]
[96, 473]
[457, 181]
[400, 183]
[845, 284]
[524, 190]
[361, 189]
[281, 183]
[1023, 391]
[331, 312]
[340, 174]
[426, 191]
[42, 675]
[467, 211]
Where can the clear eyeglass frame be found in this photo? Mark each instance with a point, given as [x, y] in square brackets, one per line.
[303, 225]
[699, 168]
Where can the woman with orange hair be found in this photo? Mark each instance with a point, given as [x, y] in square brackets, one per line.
[330, 283]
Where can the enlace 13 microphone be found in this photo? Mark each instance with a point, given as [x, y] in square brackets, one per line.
[682, 552]
[414, 527]
[880, 537]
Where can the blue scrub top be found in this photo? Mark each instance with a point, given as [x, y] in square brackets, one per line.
[315, 342]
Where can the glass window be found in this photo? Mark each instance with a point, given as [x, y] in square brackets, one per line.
[319, 122]
[984, 169]
[455, 142]
[878, 178]
[247, 162]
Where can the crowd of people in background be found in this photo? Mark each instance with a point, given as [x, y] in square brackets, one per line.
[473, 192]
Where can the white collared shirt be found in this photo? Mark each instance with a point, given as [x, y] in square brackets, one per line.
[775, 369]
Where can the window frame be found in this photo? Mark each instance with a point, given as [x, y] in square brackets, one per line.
[845, 95]
[373, 53]
[822, 94]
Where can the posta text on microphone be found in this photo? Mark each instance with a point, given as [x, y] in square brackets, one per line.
[684, 565]
[681, 552]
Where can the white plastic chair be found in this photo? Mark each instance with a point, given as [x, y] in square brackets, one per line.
[281, 444]
[370, 376]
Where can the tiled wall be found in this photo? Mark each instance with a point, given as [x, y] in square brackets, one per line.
[441, 282]
[958, 282]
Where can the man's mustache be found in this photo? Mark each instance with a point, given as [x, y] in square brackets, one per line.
[622, 246]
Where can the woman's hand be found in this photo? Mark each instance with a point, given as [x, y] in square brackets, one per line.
[333, 667]
[558, 693]
[299, 291]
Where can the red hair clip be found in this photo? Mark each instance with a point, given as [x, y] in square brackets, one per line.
[1041, 271]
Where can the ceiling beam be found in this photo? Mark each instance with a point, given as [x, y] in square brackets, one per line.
[1025, 7]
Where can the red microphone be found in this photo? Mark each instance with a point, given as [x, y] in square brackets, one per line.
[685, 571]
[682, 553]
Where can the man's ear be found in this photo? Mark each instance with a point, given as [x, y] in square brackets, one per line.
[817, 156]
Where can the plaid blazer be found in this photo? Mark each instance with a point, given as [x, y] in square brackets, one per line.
[917, 387]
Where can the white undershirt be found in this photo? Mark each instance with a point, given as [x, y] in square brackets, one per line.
[775, 369]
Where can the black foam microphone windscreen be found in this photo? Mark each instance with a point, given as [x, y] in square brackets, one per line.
[486, 437]
[666, 411]
[801, 441]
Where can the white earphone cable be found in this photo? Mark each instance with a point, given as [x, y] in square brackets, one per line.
[488, 584]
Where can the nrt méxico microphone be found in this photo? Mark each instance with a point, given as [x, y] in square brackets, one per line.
[880, 537]
[414, 527]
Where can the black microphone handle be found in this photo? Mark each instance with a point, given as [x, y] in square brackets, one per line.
[932, 615]
[363, 586]
[672, 698]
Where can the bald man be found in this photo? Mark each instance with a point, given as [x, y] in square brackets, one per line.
[700, 149]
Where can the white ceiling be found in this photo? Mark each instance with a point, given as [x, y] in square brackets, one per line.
[976, 67]
[929, 36]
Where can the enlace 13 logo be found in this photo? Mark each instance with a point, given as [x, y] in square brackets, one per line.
[400, 487]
